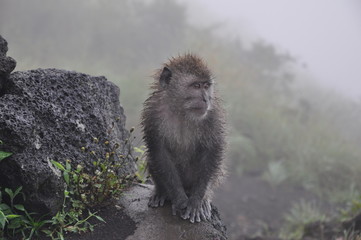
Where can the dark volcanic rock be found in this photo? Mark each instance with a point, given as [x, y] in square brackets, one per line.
[7, 64]
[50, 114]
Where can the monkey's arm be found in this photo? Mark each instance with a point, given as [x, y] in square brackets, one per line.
[198, 207]
[167, 180]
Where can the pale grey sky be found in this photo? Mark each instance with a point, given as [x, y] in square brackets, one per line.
[325, 34]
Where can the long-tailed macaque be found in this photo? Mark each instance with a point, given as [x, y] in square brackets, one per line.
[184, 132]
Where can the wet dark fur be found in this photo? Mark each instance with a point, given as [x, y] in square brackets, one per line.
[184, 152]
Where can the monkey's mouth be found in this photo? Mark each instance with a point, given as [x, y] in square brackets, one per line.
[200, 107]
[198, 110]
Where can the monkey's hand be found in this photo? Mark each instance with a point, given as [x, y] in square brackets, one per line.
[197, 210]
[157, 200]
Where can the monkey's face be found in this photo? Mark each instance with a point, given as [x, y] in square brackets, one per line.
[197, 95]
[187, 94]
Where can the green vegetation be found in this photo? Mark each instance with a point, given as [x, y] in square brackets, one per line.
[3, 154]
[84, 190]
[300, 215]
[96, 187]
[15, 219]
[71, 218]
[141, 173]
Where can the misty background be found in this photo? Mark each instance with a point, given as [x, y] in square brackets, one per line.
[324, 35]
[288, 71]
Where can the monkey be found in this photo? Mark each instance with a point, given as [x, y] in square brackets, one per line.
[183, 128]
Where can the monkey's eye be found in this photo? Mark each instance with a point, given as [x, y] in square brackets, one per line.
[197, 85]
[206, 85]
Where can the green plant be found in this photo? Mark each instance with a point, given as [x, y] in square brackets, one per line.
[300, 215]
[84, 189]
[3, 154]
[31, 224]
[71, 218]
[8, 218]
[95, 187]
[141, 173]
[70, 221]
[89, 188]
[14, 218]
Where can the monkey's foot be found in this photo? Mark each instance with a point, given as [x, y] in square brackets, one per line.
[157, 200]
[198, 210]
[179, 205]
[207, 208]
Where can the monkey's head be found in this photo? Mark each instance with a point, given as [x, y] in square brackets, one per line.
[187, 83]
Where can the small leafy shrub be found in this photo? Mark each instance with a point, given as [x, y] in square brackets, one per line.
[88, 189]
[71, 219]
[102, 183]
[92, 189]
[300, 215]
[15, 219]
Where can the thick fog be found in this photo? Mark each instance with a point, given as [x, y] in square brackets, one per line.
[324, 35]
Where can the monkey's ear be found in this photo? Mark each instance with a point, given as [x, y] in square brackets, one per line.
[165, 77]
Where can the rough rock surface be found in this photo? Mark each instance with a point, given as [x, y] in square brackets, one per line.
[50, 114]
[159, 224]
[7, 64]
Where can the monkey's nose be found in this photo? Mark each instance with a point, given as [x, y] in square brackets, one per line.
[204, 98]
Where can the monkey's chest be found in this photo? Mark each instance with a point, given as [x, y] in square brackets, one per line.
[187, 172]
[183, 138]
